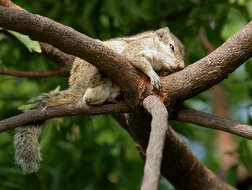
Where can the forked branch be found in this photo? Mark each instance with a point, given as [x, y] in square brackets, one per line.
[180, 166]
[182, 85]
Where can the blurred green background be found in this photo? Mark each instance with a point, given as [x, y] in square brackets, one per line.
[94, 152]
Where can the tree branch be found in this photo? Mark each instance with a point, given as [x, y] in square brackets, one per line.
[181, 85]
[214, 122]
[58, 72]
[211, 69]
[60, 111]
[61, 58]
[179, 164]
[72, 42]
[154, 152]
[208, 45]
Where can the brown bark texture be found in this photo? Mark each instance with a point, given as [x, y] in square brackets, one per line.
[154, 152]
[215, 122]
[182, 85]
[179, 165]
[60, 111]
[225, 141]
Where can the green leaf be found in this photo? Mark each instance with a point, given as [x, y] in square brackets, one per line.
[27, 107]
[30, 44]
[57, 89]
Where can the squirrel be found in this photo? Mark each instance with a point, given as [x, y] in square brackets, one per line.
[148, 51]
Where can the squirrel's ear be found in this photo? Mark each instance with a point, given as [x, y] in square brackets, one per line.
[162, 32]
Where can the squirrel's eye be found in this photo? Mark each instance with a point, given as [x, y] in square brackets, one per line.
[161, 36]
[172, 47]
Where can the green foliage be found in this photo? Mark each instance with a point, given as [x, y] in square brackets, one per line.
[30, 44]
[94, 152]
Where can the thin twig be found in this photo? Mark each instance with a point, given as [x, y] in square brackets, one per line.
[63, 60]
[214, 122]
[59, 72]
[207, 44]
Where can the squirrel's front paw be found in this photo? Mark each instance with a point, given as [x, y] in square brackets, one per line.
[155, 81]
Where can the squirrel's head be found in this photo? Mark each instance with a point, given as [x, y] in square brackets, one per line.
[171, 45]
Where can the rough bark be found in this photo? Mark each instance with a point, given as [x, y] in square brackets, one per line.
[182, 85]
[181, 167]
[154, 152]
[211, 69]
[60, 111]
[185, 114]
[225, 141]
[214, 122]
[62, 59]
[179, 164]
[72, 42]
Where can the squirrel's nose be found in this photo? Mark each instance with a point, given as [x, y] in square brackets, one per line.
[181, 66]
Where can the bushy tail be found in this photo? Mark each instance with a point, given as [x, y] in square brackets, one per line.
[27, 151]
[55, 98]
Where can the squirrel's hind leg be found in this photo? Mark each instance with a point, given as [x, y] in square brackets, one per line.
[105, 92]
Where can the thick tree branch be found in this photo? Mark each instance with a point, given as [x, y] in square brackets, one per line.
[70, 41]
[179, 164]
[211, 69]
[180, 86]
[154, 152]
[62, 59]
[60, 111]
[214, 122]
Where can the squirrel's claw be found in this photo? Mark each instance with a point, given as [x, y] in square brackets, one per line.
[155, 81]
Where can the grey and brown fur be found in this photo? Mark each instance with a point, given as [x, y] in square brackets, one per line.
[148, 51]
